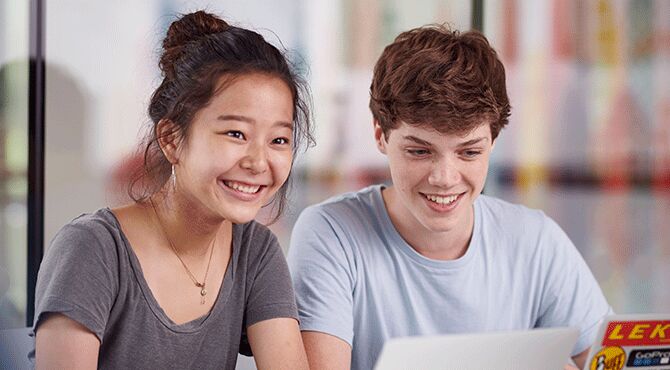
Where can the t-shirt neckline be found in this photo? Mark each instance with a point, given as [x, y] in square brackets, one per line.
[195, 324]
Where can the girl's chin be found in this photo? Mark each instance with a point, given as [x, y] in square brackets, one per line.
[239, 215]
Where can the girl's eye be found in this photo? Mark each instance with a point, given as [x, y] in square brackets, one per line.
[418, 152]
[280, 141]
[236, 134]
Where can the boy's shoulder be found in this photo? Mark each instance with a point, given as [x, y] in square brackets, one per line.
[518, 224]
[507, 212]
[355, 204]
[351, 215]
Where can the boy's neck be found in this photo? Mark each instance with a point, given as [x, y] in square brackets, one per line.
[445, 245]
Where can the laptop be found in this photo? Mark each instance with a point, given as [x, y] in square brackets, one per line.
[547, 349]
[631, 342]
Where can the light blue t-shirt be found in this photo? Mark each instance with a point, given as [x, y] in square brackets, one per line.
[357, 279]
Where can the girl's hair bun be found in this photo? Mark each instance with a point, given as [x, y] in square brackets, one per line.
[189, 28]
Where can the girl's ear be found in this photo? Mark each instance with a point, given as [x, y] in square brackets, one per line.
[167, 134]
[380, 138]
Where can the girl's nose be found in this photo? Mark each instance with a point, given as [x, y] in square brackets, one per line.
[255, 160]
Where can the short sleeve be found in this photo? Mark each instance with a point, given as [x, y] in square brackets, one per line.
[323, 273]
[79, 276]
[571, 295]
[271, 295]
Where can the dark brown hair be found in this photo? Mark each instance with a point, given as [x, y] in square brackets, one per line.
[198, 50]
[437, 77]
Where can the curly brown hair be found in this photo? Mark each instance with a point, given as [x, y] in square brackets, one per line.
[438, 77]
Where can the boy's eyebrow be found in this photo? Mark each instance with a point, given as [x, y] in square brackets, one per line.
[236, 117]
[473, 141]
[417, 140]
[467, 143]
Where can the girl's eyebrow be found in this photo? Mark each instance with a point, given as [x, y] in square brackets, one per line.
[235, 117]
[249, 120]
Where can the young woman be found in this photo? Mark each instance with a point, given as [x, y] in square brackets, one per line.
[183, 277]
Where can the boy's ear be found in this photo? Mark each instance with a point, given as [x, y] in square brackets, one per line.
[168, 139]
[380, 138]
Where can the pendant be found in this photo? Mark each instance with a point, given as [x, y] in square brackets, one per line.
[203, 292]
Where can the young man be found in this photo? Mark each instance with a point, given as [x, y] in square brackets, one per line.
[429, 254]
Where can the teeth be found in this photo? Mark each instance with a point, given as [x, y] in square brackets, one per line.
[242, 188]
[442, 200]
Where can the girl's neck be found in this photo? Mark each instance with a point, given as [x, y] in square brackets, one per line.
[187, 224]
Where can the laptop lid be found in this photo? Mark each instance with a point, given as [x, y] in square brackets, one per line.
[631, 342]
[518, 350]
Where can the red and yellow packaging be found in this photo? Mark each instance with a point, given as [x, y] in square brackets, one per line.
[637, 333]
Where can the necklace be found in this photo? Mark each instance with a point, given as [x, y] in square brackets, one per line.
[203, 290]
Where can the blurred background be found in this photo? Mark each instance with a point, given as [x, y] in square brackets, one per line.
[588, 140]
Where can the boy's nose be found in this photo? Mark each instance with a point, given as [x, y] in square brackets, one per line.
[444, 174]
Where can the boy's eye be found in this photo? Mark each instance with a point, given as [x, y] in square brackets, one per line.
[418, 152]
[235, 134]
[471, 153]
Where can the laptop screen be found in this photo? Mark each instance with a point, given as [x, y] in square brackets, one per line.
[632, 342]
[512, 350]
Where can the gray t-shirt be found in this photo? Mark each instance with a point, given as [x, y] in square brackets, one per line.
[91, 274]
[356, 278]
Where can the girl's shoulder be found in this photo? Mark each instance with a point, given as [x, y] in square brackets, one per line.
[100, 224]
[96, 234]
